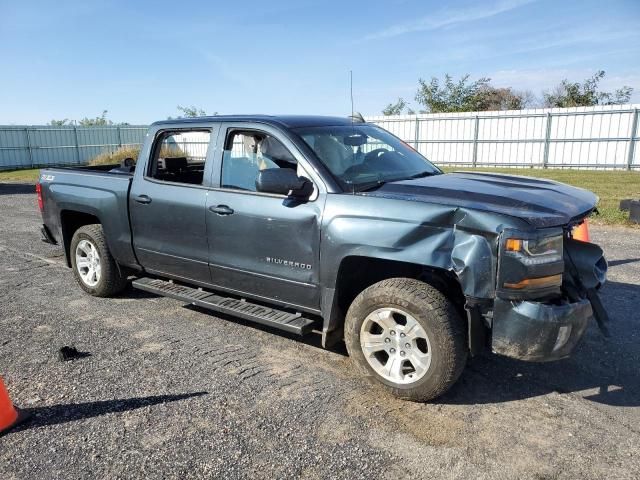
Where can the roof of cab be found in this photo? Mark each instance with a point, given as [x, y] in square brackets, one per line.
[287, 121]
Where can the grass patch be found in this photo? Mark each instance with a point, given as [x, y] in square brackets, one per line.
[30, 175]
[610, 186]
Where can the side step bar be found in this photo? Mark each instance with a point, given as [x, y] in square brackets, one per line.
[290, 322]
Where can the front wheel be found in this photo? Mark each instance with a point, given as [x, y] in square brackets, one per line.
[94, 267]
[407, 335]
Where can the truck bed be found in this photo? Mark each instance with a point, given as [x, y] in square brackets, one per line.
[98, 191]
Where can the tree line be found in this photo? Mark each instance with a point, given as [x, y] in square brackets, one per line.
[465, 95]
[102, 120]
[99, 121]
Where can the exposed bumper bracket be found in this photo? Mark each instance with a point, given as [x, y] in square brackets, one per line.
[477, 332]
[600, 314]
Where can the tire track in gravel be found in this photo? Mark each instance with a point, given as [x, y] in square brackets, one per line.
[32, 256]
[245, 362]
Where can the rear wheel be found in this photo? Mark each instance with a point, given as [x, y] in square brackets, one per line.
[94, 267]
[408, 336]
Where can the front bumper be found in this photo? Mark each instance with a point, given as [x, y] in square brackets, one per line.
[537, 331]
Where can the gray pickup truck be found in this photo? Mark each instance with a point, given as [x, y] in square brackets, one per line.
[333, 226]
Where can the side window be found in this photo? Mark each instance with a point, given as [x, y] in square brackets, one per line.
[246, 152]
[180, 156]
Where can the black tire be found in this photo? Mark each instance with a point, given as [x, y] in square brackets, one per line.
[111, 281]
[436, 315]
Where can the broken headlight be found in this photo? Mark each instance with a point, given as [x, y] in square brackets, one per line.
[532, 264]
[536, 251]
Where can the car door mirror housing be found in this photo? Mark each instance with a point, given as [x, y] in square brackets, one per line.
[283, 181]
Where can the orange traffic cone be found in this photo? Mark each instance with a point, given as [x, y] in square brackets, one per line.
[581, 232]
[10, 416]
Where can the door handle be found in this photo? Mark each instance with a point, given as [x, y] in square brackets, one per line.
[142, 199]
[221, 209]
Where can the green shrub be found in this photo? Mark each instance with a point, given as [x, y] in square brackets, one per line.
[116, 157]
[112, 158]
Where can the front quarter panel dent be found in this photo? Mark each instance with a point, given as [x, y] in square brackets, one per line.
[460, 241]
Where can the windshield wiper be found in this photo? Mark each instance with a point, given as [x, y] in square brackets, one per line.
[368, 186]
[426, 173]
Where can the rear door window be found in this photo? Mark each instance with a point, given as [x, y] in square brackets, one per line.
[179, 156]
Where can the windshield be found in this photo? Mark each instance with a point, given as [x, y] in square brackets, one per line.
[361, 156]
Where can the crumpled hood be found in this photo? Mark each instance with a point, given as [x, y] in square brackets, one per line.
[540, 202]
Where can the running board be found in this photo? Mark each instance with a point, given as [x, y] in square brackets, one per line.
[290, 322]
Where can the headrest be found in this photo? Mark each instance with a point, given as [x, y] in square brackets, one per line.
[273, 148]
[175, 164]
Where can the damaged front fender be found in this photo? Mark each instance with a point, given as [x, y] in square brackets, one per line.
[463, 242]
[457, 240]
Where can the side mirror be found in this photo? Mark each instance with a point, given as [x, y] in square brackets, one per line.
[283, 181]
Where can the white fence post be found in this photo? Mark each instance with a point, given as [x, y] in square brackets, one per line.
[632, 138]
[547, 141]
[476, 123]
[29, 149]
[75, 134]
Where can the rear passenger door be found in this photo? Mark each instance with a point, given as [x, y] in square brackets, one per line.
[262, 245]
[167, 204]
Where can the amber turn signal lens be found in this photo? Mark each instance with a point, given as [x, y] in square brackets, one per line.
[541, 282]
[513, 245]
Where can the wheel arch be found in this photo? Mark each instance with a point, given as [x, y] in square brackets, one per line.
[356, 273]
[70, 222]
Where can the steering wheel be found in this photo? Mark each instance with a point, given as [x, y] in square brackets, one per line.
[365, 166]
[375, 154]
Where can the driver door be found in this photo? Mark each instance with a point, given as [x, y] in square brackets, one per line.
[262, 245]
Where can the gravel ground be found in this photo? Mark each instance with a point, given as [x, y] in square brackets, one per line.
[174, 392]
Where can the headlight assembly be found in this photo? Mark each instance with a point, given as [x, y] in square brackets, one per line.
[531, 263]
[536, 251]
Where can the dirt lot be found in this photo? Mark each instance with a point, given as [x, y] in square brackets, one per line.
[173, 392]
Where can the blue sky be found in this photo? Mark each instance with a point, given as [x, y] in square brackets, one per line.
[139, 59]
